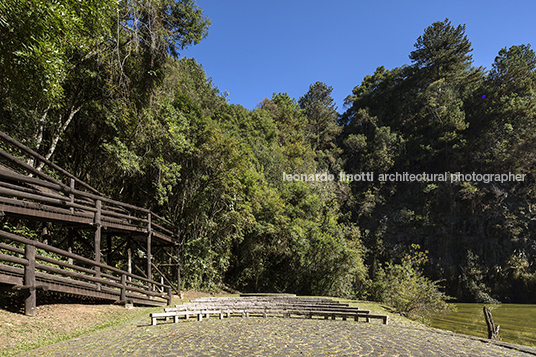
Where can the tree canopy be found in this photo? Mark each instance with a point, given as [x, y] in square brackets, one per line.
[100, 87]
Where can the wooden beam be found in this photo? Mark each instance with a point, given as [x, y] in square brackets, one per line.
[119, 246]
[165, 278]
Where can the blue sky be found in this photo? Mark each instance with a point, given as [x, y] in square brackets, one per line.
[258, 47]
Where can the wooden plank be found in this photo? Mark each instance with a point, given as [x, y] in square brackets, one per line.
[52, 194]
[61, 202]
[37, 211]
[11, 270]
[66, 265]
[83, 277]
[79, 290]
[11, 248]
[66, 189]
[10, 279]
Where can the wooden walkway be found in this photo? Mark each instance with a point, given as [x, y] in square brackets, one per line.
[59, 197]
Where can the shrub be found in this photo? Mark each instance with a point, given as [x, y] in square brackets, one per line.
[404, 287]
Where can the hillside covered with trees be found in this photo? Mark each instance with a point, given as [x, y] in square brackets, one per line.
[100, 87]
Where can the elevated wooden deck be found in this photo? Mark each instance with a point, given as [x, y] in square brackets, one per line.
[61, 198]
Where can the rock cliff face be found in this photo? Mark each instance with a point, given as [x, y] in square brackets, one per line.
[479, 237]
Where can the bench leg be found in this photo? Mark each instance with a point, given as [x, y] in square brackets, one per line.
[176, 318]
[356, 318]
[368, 319]
[333, 316]
[326, 317]
[199, 317]
[221, 315]
[344, 318]
[153, 321]
[264, 314]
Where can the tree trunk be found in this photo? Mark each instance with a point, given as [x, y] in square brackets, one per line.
[61, 129]
[493, 331]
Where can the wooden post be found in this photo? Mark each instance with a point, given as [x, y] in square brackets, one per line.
[71, 195]
[123, 287]
[169, 293]
[29, 280]
[179, 264]
[98, 230]
[149, 256]
[70, 244]
[129, 260]
[493, 331]
[109, 248]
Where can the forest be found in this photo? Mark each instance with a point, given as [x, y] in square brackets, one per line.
[100, 87]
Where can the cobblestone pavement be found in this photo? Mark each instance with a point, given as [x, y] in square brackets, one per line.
[274, 336]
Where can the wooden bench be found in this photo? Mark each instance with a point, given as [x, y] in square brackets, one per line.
[287, 313]
[257, 306]
[307, 307]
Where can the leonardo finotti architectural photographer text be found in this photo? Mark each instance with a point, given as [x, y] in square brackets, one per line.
[406, 177]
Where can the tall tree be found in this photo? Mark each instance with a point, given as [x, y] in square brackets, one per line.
[443, 50]
[505, 118]
[443, 79]
[59, 57]
[319, 108]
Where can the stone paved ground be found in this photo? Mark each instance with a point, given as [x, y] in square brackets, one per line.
[273, 337]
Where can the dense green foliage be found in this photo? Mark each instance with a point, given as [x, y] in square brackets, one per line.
[119, 108]
[439, 115]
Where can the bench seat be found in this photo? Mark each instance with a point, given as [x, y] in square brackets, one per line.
[287, 313]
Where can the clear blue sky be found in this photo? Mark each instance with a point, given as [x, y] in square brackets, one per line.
[258, 47]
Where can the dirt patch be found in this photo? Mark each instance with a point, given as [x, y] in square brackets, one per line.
[53, 323]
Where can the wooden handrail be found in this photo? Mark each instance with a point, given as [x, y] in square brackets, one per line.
[29, 151]
[28, 167]
[57, 200]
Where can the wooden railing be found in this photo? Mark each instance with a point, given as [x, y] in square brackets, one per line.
[38, 191]
[51, 194]
[31, 266]
[42, 199]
